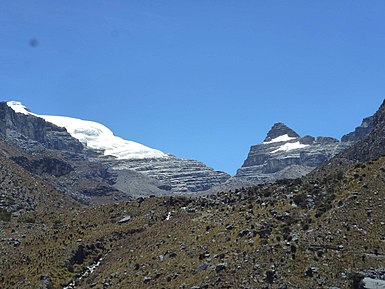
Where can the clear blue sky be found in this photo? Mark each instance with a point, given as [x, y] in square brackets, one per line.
[202, 79]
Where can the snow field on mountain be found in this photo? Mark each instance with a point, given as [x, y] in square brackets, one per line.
[96, 136]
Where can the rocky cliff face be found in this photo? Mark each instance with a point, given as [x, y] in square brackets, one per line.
[78, 169]
[361, 131]
[369, 145]
[29, 132]
[178, 175]
[20, 191]
[284, 154]
[370, 138]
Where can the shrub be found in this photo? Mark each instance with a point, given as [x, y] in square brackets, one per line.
[5, 215]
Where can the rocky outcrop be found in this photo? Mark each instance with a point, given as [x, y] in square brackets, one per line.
[370, 138]
[45, 165]
[360, 131]
[20, 191]
[177, 175]
[284, 154]
[29, 132]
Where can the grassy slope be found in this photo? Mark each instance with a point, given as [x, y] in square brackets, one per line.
[151, 252]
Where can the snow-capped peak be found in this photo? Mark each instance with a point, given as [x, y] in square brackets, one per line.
[280, 132]
[96, 136]
[281, 138]
[18, 107]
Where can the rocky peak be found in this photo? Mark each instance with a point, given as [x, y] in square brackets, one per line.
[369, 138]
[366, 126]
[280, 129]
[285, 154]
[29, 132]
[360, 131]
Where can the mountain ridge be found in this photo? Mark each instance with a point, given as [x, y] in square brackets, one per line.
[285, 154]
[84, 145]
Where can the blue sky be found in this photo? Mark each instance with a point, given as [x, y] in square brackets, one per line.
[199, 79]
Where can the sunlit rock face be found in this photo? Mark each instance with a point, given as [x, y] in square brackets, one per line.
[285, 154]
[28, 131]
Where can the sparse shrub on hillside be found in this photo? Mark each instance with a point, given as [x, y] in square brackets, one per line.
[340, 175]
[325, 204]
[300, 200]
[356, 279]
[5, 215]
[29, 219]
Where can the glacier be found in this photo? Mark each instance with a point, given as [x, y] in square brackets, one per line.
[96, 136]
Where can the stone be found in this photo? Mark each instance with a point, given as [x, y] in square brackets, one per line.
[46, 282]
[124, 219]
[310, 271]
[243, 232]
[220, 267]
[229, 227]
[270, 275]
[202, 267]
[147, 279]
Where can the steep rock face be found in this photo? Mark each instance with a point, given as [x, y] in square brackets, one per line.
[27, 131]
[45, 165]
[284, 154]
[371, 139]
[361, 131]
[369, 145]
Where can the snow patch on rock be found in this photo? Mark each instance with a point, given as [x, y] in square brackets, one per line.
[374, 283]
[290, 146]
[281, 138]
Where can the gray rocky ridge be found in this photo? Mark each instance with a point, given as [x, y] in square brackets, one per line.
[29, 132]
[360, 131]
[284, 154]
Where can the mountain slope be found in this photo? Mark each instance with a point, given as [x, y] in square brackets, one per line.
[269, 236]
[22, 192]
[105, 167]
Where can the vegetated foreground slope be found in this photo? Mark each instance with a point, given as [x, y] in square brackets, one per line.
[301, 233]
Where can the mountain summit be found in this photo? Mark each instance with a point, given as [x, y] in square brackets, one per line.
[285, 154]
[280, 132]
